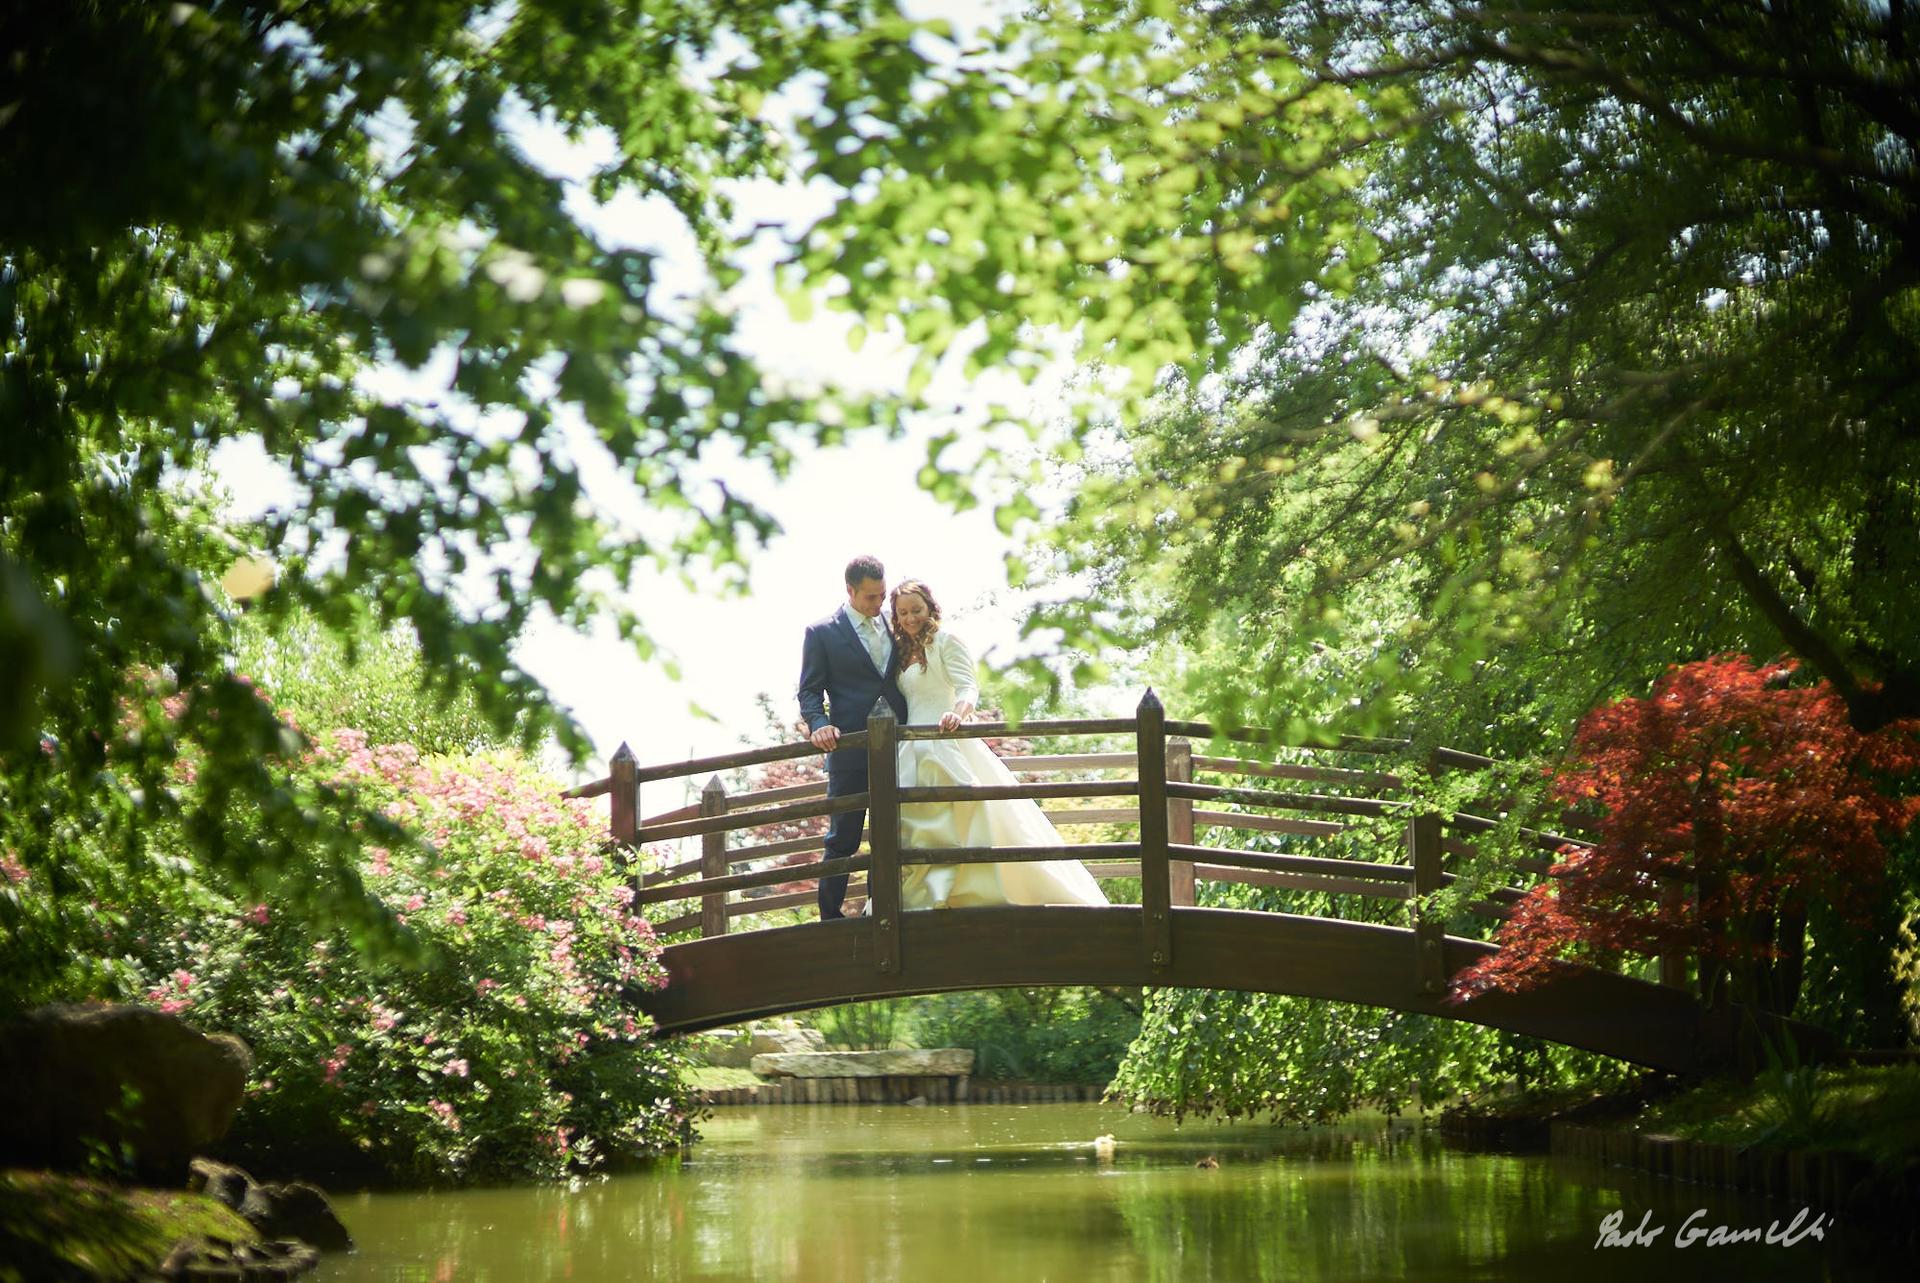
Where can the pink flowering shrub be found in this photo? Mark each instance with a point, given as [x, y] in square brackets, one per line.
[514, 1051]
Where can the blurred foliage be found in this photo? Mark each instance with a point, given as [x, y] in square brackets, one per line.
[375, 683]
[1307, 1060]
[244, 221]
[1066, 1035]
[865, 1026]
[1609, 363]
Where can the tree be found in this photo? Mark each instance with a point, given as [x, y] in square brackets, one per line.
[222, 219]
[1581, 327]
[1758, 795]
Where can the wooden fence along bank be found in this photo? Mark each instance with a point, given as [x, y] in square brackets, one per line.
[955, 1090]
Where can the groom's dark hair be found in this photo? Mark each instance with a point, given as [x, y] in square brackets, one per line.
[863, 568]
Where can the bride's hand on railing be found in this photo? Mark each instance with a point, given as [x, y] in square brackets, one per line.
[952, 721]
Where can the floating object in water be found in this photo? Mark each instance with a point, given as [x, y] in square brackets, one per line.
[1103, 1147]
[1208, 1164]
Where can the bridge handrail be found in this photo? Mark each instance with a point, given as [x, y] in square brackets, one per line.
[1366, 877]
[1171, 807]
[752, 819]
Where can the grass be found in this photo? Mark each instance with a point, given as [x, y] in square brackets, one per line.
[1871, 1111]
[58, 1228]
[719, 1078]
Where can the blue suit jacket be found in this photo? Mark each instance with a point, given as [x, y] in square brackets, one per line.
[839, 684]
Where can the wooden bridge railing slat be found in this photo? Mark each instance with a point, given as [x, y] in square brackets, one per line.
[767, 850]
[1096, 815]
[1025, 730]
[756, 878]
[767, 797]
[1287, 801]
[1046, 763]
[743, 757]
[736, 856]
[673, 871]
[1267, 823]
[1290, 771]
[754, 819]
[1467, 823]
[1344, 744]
[741, 802]
[756, 904]
[1032, 792]
[688, 812]
[1367, 869]
[1115, 869]
[1302, 882]
[1015, 854]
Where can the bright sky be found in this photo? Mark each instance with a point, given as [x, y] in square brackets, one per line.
[834, 505]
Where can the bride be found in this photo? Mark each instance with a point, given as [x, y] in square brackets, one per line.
[937, 679]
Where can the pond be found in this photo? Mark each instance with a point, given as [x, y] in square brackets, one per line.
[972, 1193]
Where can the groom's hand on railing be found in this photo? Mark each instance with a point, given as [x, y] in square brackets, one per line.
[825, 738]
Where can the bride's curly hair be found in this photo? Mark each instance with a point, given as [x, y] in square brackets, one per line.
[913, 650]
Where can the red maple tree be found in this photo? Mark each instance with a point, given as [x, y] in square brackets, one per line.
[1748, 795]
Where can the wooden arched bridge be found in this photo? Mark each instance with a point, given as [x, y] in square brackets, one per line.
[722, 976]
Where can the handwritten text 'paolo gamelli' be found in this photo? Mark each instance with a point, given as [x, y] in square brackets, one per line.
[1694, 1232]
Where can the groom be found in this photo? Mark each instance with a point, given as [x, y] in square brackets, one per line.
[846, 667]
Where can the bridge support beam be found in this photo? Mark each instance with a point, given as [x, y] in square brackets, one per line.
[1429, 930]
[883, 835]
[1180, 823]
[752, 974]
[1156, 898]
[623, 777]
[713, 860]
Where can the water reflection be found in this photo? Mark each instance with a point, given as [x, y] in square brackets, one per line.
[990, 1192]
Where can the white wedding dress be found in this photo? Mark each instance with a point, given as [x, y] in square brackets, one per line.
[931, 691]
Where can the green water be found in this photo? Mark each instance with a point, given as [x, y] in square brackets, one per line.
[983, 1193]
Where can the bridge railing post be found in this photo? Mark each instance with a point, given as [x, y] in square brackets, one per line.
[623, 771]
[1156, 899]
[883, 835]
[713, 860]
[1180, 822]
[1429, 929]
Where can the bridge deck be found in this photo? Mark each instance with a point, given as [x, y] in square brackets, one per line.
[727, 979]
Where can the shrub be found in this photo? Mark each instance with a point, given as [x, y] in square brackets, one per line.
[512, 1052]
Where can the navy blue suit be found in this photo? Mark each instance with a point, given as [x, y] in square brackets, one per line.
[839, 686]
